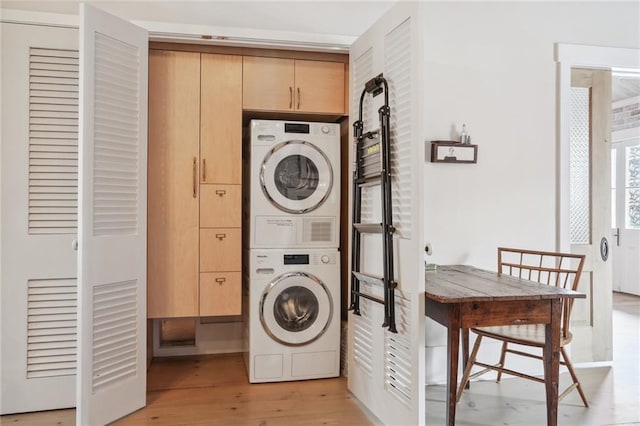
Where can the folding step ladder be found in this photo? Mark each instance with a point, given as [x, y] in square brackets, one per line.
[373, 167]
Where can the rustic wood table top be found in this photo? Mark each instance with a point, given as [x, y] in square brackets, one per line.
[462, 283]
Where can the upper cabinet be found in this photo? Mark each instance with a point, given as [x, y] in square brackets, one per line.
[293, 85]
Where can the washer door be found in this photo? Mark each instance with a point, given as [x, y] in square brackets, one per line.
[295, 309]
[296, 176]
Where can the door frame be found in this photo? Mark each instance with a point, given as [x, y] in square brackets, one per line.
[569, 56]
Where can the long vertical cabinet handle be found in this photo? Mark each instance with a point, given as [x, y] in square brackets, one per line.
[204, 169]
[298, 107]
[195, 177]
[290, 97]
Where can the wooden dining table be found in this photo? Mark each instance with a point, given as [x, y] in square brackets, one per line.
[462, 297]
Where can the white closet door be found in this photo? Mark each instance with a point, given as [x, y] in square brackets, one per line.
[386, 370]
[39, 217]
[112, 218]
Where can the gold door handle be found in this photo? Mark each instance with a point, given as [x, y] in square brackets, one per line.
[220, 280]
[298, 107]
[221, 236]
[204, 169]
[195, 177]
[290, 97]
[220, 192]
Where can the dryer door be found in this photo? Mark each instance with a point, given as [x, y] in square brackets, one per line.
[295, 309]
[296, 176]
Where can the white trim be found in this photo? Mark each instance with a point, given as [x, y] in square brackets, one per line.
[190, 33]
[625, 135]
[16, 16]
[568, 56]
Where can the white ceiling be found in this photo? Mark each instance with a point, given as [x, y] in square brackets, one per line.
[347, 18]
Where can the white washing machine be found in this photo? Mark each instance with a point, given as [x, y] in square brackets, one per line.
[295, 184]
[292, 324]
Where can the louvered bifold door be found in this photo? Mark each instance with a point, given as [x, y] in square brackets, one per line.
[112, 226]
[39, 217]
[386, 370]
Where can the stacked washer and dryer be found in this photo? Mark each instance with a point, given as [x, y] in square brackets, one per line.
[292, 263]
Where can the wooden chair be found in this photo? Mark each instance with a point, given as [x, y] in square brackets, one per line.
[558, 269]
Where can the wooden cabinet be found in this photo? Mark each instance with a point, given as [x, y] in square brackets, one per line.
[221, 119]
[173, 204]
[220, 293]
[293, 85]
[194, 183]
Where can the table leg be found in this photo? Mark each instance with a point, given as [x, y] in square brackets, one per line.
[552, 361]
[465, 352]
[453, 343]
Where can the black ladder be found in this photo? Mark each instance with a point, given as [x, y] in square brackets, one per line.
[373, 167]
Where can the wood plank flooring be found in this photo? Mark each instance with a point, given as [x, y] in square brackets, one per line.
[214, 390]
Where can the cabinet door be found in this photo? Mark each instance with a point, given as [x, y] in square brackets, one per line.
[267, 84]
[220, 294]
[220, 249]
[174, 123]
[221, 119]
[220, 206]
[319, 87]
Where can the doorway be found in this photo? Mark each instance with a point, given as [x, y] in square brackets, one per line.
[625, 181]
[588, 346]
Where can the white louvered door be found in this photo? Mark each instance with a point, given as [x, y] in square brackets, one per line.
[112, 218]
[386, 370]
[39, 217]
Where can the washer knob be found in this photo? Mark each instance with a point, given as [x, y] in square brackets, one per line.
[325, 259]
[324, 129]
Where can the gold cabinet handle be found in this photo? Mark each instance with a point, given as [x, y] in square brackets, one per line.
[220, 280]
[220, 192]
[298, 107]
[204, 169]
[221, 236]
[290, 97]
[195, 177]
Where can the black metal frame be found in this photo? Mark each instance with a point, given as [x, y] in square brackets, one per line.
[362, 176]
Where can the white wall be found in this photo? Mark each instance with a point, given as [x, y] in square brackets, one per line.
[491, 65]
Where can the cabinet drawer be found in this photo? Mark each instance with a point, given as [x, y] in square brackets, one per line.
[220, 249]
[220, 206]
[220, 294]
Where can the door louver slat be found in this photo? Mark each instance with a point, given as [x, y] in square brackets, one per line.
[53, 140]
[397, 354]
[115, 138]
[397, 70]
[114, 333]
[51, 328]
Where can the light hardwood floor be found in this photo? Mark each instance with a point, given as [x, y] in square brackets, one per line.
[213, 390]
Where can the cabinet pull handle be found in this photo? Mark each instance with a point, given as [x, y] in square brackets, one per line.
[221, 236]
[298, 107]
[290, 97]
[220, 192]
[220, 280]
[195, 177]
[204, 169]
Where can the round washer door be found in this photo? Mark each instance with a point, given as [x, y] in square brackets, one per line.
[295, 309]
[296, 176]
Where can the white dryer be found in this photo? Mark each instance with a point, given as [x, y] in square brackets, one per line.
[295, 184]
[292, 324]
